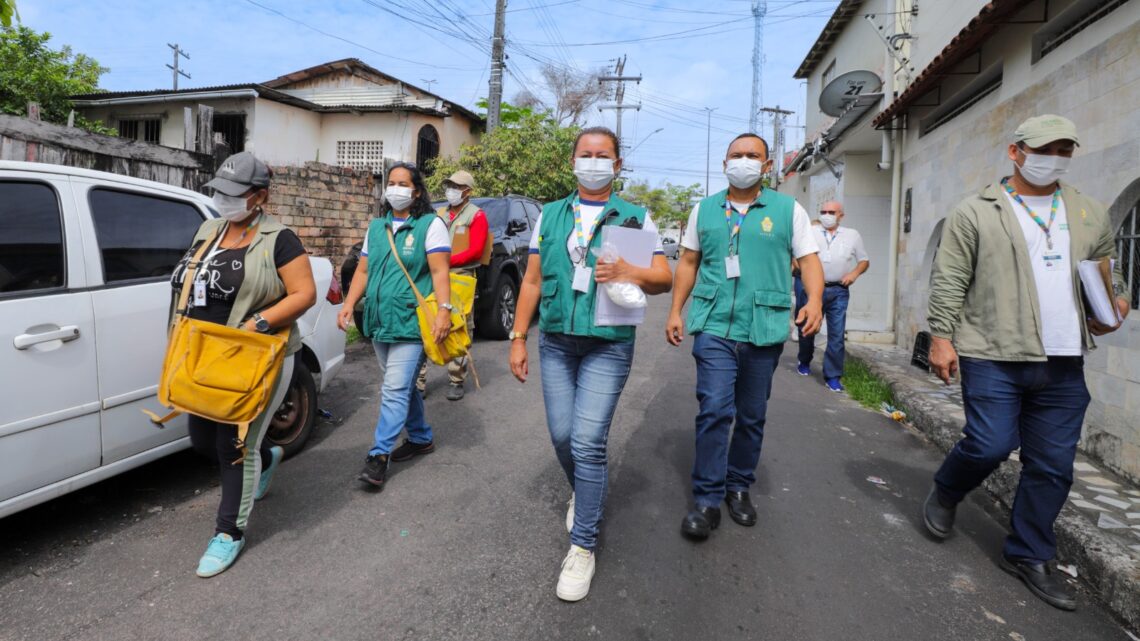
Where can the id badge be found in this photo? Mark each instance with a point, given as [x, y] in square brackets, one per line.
[199, 293]
[1053, 262]
[825, 255]
[732, 266]
[582, 276]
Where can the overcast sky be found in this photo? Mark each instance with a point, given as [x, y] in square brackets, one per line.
[691, 54]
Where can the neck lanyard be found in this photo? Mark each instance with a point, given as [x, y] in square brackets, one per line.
[583, 240]
[734, 220]
[1045, 227]
[830, 237]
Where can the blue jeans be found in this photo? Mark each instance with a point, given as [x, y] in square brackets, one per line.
[401, 407]
[1038, 407]
[734, 381]
[582, 379]
[835, 300]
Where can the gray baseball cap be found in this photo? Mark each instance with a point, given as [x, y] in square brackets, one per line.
[239, 173]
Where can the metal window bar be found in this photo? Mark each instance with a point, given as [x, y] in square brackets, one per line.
[129, 129]
[151, 130]
[1128, 253]
[232, 128]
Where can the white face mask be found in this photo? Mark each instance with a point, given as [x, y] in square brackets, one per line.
[399, 198]
[829, 221]
[743, 173]
[232, 208]
[454, 196]
[1042, 170]
[594, 173]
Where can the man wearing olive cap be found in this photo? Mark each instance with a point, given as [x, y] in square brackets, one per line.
[1006, 311]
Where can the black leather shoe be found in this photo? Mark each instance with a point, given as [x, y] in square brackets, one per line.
[939, 519]
[700, 522]
[1041, 581]
[409, 449]
[740, 508]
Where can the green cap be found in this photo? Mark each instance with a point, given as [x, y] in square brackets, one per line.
[1039, 131]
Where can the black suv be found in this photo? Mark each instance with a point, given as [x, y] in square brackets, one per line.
[511, 220]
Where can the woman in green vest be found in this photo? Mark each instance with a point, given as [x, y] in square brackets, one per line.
[256, 276]
[410, 235]
[584, 366]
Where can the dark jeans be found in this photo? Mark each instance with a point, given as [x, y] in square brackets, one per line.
[215, 441]
[1038, 407]
[734, 381]
[835, 298]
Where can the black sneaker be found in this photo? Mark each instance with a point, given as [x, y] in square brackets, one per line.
[409, 449]
[375, 470]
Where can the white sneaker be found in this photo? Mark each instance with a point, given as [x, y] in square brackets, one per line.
[570, 514]
[577, 572]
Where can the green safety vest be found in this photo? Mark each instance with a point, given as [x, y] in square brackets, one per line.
[756, 307]
[390, 306]
[562, 309]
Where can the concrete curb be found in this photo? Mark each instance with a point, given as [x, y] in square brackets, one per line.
[1106, 566]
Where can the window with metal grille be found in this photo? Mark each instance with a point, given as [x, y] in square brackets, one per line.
[232, 128]
[427, 148]
[1128, 252]
[362, 155]
[143, 129]
[988, 82]
[1068, 23]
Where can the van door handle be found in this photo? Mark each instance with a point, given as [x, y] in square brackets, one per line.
[65, 334]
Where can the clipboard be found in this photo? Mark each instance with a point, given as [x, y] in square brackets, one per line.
[1096, 285]
[636, 247]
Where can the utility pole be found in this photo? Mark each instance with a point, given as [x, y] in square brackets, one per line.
[619, 94]
[708, 146]
[777, 151]
[174, 67]
[759, 10]
[495, 97]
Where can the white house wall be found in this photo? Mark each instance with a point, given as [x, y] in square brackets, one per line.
[395, 129]
[281, 134]
[171, 132]
[856, 49]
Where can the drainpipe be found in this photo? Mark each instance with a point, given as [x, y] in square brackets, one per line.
[892, 159]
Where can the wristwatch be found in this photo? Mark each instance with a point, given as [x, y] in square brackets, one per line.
[260, 324]
[519, 335]
[448, 306]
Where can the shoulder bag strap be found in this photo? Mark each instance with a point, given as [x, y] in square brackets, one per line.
[396, 255]
[192, 271]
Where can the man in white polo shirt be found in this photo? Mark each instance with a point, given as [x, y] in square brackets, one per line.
[844, 261]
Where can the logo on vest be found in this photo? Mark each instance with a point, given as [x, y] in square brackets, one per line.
[766, 225]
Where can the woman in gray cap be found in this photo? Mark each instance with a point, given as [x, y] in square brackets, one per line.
[255, 276]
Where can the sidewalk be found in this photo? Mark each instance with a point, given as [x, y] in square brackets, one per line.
[1099, 529]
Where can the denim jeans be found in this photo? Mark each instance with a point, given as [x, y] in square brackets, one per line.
[1037, 406]
[734, 382]
[835, 299]
[582, 379]
[401, 406]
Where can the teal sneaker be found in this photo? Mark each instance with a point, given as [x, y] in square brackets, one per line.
[220, 554]
[275, 456]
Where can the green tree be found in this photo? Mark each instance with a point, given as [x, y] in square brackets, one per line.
[30, 71]
[508, 114]
[7, 10]
[530, 157]
[670, 204]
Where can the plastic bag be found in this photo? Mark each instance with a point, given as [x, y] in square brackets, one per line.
[625, 295]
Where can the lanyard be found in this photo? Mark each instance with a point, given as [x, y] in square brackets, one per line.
[734, 220]
[1045, 227]
[830, 238]
[583, 239]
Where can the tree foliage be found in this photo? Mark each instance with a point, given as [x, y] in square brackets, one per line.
[30, 71]
[7, 10]
[572, 94]
[508, 114]
[530, 157]
[670, 204]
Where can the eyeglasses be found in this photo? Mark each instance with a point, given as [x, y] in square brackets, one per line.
[829, 211]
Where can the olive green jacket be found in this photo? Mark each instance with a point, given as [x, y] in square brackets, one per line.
[983, 295]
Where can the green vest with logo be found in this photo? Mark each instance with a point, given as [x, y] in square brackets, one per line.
[563, 310]
[390, 306]
[756, 307]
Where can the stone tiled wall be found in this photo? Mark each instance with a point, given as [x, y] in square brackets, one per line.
[1099, 90]
[329, 207]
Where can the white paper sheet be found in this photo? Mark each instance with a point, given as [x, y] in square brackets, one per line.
[636, 248]
[1103, 309]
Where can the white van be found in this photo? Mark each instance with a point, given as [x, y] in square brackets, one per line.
[85, 264]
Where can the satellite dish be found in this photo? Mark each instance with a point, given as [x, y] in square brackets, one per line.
[842, 91]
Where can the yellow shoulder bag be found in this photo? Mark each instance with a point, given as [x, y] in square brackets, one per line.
[217, 372]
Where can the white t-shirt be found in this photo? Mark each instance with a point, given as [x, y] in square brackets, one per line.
[590, 212]
[438, 239]
[1053, 274]
[803, 240]
[840, 252]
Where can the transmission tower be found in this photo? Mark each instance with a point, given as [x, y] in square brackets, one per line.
[759, 9]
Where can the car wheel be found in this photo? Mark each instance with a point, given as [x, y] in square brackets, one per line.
[293, 421]
[499, 319]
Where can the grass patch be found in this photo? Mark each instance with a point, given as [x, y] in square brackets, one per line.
[863, 386]
[352, 335]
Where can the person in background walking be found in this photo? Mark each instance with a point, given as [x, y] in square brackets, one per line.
[584, 366]
[1005, 308]
[421, 240]
[255, 276]
[467, 223]
[738, 266]
[844, 261]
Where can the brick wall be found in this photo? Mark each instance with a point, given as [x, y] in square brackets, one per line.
[329, 207]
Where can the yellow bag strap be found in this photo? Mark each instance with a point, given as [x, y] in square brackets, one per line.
[396, 255]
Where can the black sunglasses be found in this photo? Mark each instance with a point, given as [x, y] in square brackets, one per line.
[829, 211]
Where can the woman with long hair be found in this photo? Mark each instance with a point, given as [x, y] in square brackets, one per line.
[584, 366]
[410, 233]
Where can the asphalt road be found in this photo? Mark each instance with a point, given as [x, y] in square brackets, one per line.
[466, 543]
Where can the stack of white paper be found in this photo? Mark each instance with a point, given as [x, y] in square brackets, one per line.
[636, 247]
[1097, 291]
